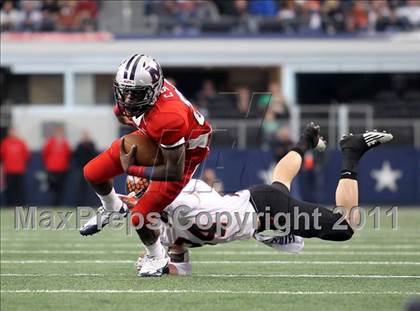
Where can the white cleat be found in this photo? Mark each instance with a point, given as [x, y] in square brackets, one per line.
[289, 243]
[101, 219]
[152, 266]
[139, 263]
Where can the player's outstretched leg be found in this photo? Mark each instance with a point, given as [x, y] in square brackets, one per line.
[353, 147]
[288, 167]
[99, 173]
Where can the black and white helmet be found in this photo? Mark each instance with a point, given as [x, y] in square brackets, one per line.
[137, 84]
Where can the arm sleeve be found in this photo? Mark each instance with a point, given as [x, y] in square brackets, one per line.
[170, 130]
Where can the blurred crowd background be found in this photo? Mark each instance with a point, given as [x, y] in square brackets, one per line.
[188, 17]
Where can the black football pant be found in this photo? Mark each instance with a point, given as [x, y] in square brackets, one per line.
[275, 200]
[15, 190]
[57, 182]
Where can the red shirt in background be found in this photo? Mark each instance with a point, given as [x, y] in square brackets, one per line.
[56, 155]
[14, 155]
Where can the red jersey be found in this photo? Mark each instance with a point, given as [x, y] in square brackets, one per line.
[14, 154]
[173, 121]
[56, 155]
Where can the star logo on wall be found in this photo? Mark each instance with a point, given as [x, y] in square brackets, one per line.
[386, 177]
[266, 175]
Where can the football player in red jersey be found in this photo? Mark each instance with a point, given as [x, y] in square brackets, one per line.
[145, 100]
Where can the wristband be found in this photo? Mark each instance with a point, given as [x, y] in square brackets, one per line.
[140, 171]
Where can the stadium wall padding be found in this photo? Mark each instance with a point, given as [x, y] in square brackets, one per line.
[240, 169]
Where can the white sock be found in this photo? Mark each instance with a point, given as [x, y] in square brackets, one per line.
[111, 201]
[155, 250]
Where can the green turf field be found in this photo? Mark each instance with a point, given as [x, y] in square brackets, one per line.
[60, 270]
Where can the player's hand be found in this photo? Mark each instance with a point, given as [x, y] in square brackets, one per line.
[127, 159]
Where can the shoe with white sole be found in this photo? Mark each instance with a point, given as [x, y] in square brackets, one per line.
[152, 266]
[288, 243]
[101, 219]
[360, 143]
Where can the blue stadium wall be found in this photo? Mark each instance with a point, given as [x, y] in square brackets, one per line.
[240, 169]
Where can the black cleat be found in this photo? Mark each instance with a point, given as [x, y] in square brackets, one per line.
[360, 143]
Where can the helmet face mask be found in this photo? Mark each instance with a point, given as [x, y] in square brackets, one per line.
[137, 85]
[134, 101]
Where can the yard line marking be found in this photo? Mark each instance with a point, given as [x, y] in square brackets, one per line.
[133, 246]
[197, 252]
[221, 262]
[58, 251]
[333, 276]
[196, 291]
[308, 252]
[60, 274]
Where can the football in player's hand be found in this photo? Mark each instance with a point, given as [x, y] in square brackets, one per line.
[147, 153]
[136, 184]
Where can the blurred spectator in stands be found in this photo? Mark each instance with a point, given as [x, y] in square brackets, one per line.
[274, 100]
[262, 7]
[280, 143]
[51, 6]
[276, 113]
[190, 14]
[85, 151]
[357, 19]
[289, 16]
[32, 16]
[78, 15]
[380, 16]
[10, 18]
[270, 125]
[409, 14]
[49, 10]
[213, 104]
[56, 155]
[206, 96]
[311, 16]
[210, 178]
[245, 103]
[245, 24]
[86, 12]
[333, 17]
[67, 16]
[14, 155]
[183, 17]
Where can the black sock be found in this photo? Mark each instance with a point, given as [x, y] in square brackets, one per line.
[305, 143]
[350, 163]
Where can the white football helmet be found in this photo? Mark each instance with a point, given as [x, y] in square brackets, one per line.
[137, 84]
